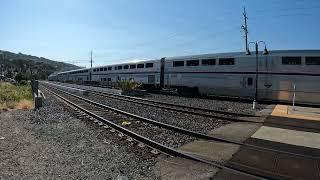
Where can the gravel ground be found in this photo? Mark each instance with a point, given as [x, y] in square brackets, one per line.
[187, 121]
[231, 106]
[51, 144]
[160, 135]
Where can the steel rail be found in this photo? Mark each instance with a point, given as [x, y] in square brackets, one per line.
[171, 108]
[158, 146]
[110, 95]
[185, 131]
[174, 105]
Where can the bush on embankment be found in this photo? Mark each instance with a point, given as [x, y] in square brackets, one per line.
[15, 97]
[128, 86]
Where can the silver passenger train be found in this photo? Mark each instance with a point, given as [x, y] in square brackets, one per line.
[221, 74]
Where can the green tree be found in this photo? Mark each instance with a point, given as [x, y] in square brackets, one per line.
[19, 77]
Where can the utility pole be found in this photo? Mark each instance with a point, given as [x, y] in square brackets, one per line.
[245, 27]
[91, 58]
[90, 75]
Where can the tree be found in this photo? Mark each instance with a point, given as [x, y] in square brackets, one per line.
[19, 77]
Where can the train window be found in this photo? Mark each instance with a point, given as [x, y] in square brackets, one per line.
[115, 68]
[208, 62]
[105, 69]
[292, 60]
[101, 69]
[178, 63]
[140, 66]
[149, 65]
[94, 70]
[193, 63]
[132, 66]
[109, 79]
[119, 67]
[109, 68]
[226, 61]
[126, 67]
[313, 60]
[250, 81]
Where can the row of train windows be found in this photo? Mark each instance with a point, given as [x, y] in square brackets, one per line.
[131, 66]
[77, 72]
[296, 60]
[289, 60]
[204, 62]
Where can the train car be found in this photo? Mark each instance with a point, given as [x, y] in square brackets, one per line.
[145, 72]
[78, 75]
[234, 74]
[278, 75]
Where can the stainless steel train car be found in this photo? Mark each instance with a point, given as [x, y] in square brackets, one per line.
[280, 74]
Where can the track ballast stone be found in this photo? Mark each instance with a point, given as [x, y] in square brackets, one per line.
[223, 105]
[51, 144]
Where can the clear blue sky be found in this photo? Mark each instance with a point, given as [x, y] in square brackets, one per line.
[122, 30]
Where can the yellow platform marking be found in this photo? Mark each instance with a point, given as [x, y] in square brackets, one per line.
[285, 111]
[287, 136]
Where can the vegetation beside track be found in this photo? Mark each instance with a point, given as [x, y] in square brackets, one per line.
[128, 85]
[15, 97]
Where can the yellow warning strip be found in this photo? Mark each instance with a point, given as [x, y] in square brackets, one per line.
[284, 111]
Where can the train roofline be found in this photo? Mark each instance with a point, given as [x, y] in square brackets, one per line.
[223, 54]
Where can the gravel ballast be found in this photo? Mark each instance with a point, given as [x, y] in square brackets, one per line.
[206, 103]
[51, 144]
[192, 122]
[160, 135]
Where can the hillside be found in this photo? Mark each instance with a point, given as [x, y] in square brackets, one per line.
[25, 67]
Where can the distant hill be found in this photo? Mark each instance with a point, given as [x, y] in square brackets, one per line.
[25, 67]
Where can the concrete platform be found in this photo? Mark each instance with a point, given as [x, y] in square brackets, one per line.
[237, 131]
[275, 165]
[176, 168]
[183, 169]
[295, 131]
[287, 136]
[306, 113]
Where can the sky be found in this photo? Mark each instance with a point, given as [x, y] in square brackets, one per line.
[127, 30]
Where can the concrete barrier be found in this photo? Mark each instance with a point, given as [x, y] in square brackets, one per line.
[38, 99]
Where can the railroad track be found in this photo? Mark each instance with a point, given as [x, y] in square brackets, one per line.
[94, 110]
[223, 115]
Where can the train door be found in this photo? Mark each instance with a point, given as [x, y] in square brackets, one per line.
[247, 85]
[265, 87]
[162, 63]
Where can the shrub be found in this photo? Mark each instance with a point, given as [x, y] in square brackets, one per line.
[12, 96]
[23, 82]
[128, 85]
[9, 92]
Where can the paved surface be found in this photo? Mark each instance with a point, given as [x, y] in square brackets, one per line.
[275, 165]
[287, 136]
[237, 131]
[182, 169]
[306, 113]
[285, 130]
[176, 168]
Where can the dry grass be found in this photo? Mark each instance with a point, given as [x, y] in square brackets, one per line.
[24, 104]
[15, 97]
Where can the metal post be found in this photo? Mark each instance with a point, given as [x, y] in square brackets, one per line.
[256, 80]
[4, 66]
[294, 96]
